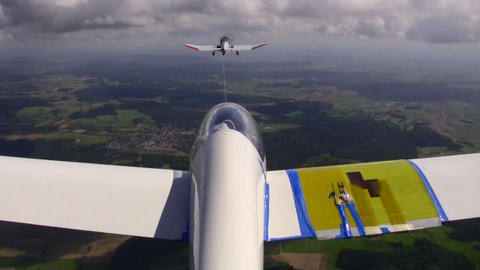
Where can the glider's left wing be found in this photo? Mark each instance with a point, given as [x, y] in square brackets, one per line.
[247, 47]
[104, 198]
[372, 198]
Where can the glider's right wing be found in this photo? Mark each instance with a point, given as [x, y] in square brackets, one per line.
[372, 198]
[104, 198]
[202, 47]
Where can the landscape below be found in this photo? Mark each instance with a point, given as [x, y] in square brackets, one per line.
[137, 112]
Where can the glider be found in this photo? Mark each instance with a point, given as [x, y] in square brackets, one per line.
[225, 46]
[228, 204]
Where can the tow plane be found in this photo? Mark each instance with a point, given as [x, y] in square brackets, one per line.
[225, 46]
[228, 204]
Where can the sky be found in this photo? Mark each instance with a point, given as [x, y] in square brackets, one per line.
[144, 25]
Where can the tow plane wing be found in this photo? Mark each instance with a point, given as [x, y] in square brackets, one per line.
[247, 47]
[103, 198]
[372, 198]
[202, 47]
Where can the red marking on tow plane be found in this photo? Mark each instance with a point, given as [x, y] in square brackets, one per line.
[191, 47]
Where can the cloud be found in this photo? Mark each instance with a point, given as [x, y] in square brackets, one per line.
[3, 20]
[441, 29]
[439, 21]
[373, 27]
[43, 16]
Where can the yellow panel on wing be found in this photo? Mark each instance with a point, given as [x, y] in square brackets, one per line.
[387, 196]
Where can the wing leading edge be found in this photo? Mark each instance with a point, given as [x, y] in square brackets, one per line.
[372, 198]
[104, 198]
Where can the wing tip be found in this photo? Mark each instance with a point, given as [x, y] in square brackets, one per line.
[191, 47]
[258, 46]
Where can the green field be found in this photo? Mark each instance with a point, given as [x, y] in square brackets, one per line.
[123, 119]
[78, 138]
[392, 243]
[37, 114]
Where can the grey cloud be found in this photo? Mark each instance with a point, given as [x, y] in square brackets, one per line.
[3, 20]
[196, 6]
[370, 28]
[440, 29]
[420, 20]
[445, 21]
[300, 8]
[45, 16]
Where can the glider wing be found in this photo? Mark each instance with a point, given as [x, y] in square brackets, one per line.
[372, 198]
[104, 198]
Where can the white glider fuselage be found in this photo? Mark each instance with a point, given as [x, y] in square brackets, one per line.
[227, 196]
